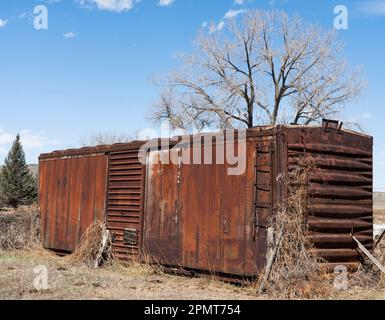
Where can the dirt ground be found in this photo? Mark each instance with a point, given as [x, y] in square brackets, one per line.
[116, 282]
[76, 281]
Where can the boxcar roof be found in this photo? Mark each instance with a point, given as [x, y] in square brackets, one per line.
[258, 130]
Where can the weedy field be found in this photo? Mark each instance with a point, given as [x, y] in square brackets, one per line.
[116, 281]
[77, 281]
[73, 279]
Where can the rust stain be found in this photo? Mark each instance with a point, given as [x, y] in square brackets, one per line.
[68, 204]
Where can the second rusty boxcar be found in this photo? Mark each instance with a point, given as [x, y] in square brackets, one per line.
[194, 214]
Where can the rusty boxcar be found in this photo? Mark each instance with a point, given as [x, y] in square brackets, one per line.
[196, 216]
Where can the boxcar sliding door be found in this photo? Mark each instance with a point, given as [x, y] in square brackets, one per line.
[200, 216]
[162, 233]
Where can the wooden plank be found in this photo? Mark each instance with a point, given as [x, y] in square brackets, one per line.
[270, 263]
[369, 255]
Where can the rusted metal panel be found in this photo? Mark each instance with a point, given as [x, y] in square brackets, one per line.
[265, 168]
[73, 153]
[72, 196]
[215, 227]
[340, 190]
[43, 197]
[200, 217]
[162, 235]
[125, 200]
[197, 216]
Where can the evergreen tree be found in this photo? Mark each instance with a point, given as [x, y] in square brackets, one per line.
[18, 186]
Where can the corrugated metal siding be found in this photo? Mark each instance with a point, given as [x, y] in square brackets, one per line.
[340, 191]
[125, 200]
[71, 197]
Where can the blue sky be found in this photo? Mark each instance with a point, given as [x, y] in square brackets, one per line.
[91, 70]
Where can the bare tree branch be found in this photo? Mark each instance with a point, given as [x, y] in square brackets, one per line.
[267, 68]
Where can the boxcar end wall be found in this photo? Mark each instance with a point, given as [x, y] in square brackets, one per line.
[71, 197]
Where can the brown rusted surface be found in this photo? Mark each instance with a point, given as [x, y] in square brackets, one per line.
[197, 216]
[125, 199]
[71, 196]
[340, 190]
[163, 234]
[217, 217]
[86, 151]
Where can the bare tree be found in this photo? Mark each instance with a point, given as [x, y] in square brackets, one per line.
[267, 68]
[105, 138]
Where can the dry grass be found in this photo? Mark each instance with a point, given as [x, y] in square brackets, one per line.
[380, 255]
[95, 246]
[368, 276]
[95, 249]
[143, 264]
[19, 229]
[296, 272]
[77, 281]
[137, 279]
[380, 251]
[113, 281]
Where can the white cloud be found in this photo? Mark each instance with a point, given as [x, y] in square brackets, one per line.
[3, 23]
[233, 13]
[239, 2]
[117, 5]
[278, 2]
[31, 139]
[165, 3]
[69, 35]
[220, 25]
[217, 27]
[109, 5]
[6, 138]
[33, 142]
[373, 8]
